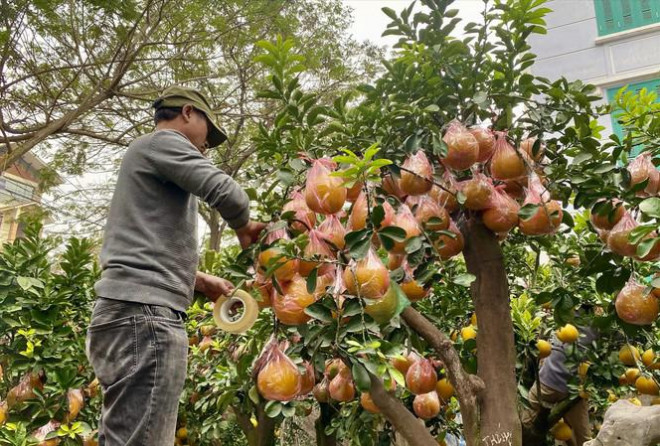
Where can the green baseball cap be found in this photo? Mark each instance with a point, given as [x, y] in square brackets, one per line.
[178, 96]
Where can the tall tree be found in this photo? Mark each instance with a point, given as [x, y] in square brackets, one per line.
[77, 77]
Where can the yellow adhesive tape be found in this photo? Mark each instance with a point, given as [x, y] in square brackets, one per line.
[222, 313]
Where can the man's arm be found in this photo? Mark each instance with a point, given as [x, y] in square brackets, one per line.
[212, 287]
[178, 161]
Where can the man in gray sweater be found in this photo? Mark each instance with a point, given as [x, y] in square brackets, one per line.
[137, 342]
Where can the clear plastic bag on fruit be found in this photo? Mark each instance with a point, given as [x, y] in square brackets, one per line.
[417, 174]
[462, 147]
[431, 215]
[317, 248]
[636, 305]
[502, 213]
[405, 220]
[642, 169]
[486, 140]
[290, 307]
[367, 277]
[334, 231]
[618, 240]
[507, 163]
[324, 193]
[477, 191]
[304, 217]
[278, 377]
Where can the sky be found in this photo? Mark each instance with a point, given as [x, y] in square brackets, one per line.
[370, 21]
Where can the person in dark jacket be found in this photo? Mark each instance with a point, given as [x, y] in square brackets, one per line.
[136, 341]
[553, 388]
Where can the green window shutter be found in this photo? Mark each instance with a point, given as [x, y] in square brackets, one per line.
[651, 85]
[614, 16]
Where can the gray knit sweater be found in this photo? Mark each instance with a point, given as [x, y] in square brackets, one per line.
[149, 252]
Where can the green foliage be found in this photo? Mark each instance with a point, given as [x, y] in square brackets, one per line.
[46, 310]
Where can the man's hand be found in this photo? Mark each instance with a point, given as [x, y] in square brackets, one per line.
[249, 233]
[212, 287]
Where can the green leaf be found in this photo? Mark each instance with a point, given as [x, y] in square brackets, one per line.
[390, 13]
[528, 211]
[377, 215]
[319, 312]
[432, 108]
[253, 394]
[651, 207]
[361, 377]
[413, 244]
[394, 232]
[273, 409]
[464, 279]
[644, 248]
[311, 281]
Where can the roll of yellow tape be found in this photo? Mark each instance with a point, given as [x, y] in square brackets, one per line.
[222, 312]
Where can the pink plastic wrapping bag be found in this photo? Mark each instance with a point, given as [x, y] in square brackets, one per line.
[333, 231]
[324, 193]
[506, 163]
[502, 213]
[642, 169]
[486, 140]
[419, 182]
[278, 377]
[305, 216]
[367, 277]
[462, 147]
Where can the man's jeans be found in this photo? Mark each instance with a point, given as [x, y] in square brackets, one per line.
[139, 355]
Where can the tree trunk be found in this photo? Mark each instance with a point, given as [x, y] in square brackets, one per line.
[264, 433]
[467, 386]
[496, 355]
[408, 425]
[216, 230]
[324, 419]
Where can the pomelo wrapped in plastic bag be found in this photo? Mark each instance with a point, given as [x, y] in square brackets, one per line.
[308, 379]
[642, 169]
[477, 191]
[420, 178]
[392, 186]
[359, 213]
[367, 277]
[507, 163]
[413, 290]
[333, 231]
[273, 258]
[548, 215]
[426, 405]
[502, 213]
[290, 307]
[265, 288]
[317, 247]
[341, 387]
[421, 377]
[324, 193]
[306, 218]
[278, 377]
[405, 220]
[41, 433]
[618, 240]
[486, 140]
[431, 215]
[447, 246]
[636, 305]
[462, 147]
[76, 401]
[527, 146]
[446, 197]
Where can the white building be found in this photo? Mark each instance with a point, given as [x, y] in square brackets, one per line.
[608, 43]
